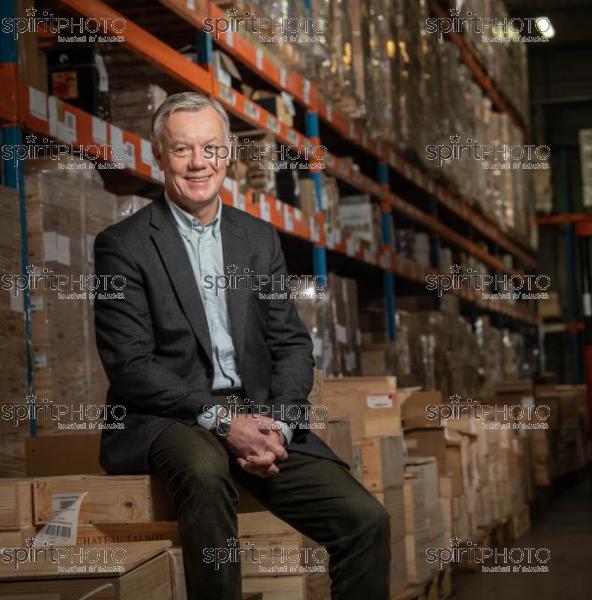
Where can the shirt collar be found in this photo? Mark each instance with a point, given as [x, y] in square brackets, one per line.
[188, 223]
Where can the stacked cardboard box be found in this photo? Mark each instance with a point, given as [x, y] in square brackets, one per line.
[66, 210]
[132, 107]
[13, 374]
[332, 321]
[424, 516]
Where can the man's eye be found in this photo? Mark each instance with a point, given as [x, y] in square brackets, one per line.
[181, 150]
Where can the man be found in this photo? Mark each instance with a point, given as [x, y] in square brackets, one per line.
[174, 347]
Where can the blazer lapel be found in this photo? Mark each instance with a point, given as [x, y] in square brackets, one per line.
[236, 262]
[175, 259]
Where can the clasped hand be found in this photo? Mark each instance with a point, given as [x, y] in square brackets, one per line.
[257, 443]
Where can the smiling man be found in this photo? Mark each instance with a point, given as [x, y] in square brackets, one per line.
[216, 384]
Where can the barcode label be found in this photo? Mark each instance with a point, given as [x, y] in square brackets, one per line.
[61, 530]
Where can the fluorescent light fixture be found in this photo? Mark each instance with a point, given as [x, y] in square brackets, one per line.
[545, 27]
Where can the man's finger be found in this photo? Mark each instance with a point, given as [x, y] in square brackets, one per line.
[265, 459]
[278, 450]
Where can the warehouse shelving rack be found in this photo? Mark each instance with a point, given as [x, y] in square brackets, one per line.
[24, 108]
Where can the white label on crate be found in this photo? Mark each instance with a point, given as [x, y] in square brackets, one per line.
[130, 155]
[90, 248]
[17, 300]
[341, 333]
[241, 201]
[265, 211]
[116, 135]
[63, 249]
[379, 401]
[228, 184]
[306, 91]
[279, 205]
[52, 105]
[283, 77]
[252, 110]
[99, 130]
[229, 39]
[191, 4]
[350, 361]
[314, 230]
[227, 94]
[50, 248]
[40, 360]
[146, 152]
[67, 129]
[63, 527]
[103, 77]
[38, 103]
[259, 58]
[288, 218]
[298, 215]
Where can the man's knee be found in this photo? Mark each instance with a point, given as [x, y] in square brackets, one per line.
[370, 518]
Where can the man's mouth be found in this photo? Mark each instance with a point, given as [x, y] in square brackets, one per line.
[198, 179]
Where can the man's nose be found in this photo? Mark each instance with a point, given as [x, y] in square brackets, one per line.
[197, 160]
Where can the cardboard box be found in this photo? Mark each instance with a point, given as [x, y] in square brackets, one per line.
[110, 499]
[144, 574]
[337, 436]
[398, 565]
[426, 470]
[416, 408]
[382, 463]
[392, 500]
[369, 402]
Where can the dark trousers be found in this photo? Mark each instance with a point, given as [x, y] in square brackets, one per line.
[318, 497]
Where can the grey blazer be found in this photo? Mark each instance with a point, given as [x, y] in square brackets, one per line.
[154, 341]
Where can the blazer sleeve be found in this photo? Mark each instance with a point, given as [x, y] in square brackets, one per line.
[291, 352]
[125, 339]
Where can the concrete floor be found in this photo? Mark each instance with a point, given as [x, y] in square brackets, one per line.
[565, 527]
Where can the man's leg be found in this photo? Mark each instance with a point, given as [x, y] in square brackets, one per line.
[195, 466]
[322, 500]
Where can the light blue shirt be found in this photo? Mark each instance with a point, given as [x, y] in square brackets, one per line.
[203, 244]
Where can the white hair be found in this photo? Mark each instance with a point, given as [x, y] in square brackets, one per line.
[186, 101]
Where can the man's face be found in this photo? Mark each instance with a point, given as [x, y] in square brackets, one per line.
[193, 174]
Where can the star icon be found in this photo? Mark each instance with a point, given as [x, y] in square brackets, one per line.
[31, 269]
[232, 11]
[31, 138]
[455, 399]
[30, 542]
[455, 12]
[455, 139]
[31, 399]
[231, 542]
[233, 138]
[455, 542]
[31, 12]
[232, 269]
[455, 269]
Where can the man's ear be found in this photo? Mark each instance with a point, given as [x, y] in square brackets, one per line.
[157, 155]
